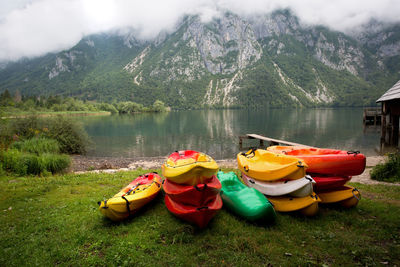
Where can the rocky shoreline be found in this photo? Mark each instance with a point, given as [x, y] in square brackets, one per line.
[82, 164]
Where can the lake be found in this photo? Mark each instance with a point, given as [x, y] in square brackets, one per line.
[216, 132]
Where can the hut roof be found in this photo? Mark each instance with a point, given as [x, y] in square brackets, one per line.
[392, 93]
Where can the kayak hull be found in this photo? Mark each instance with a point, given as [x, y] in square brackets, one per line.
[199, 216]
[189, 167]
[323, 183]
[347, 196]
[306, 205]
[296, 188]
[267, 166]
[245, 202]
[192, 195]
[326, 161]
[132, 197]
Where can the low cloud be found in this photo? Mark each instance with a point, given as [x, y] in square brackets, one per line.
[31, 28]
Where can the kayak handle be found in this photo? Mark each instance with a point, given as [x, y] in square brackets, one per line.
[354, 190]
[250, 153]
[353, 152]
[127, 205]
[246, 168]
[251, 181]
[308, 177]
[202, 208]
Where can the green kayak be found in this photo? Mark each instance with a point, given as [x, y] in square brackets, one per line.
[244, 201]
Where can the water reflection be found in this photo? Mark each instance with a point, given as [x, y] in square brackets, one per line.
[216, 131]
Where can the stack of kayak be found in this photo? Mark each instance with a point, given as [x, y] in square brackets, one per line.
[191, 187]
[246, 202]
[131, 198]
[281, 178]
[331, 169]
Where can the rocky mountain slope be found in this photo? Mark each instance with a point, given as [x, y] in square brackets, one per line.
[266, 60]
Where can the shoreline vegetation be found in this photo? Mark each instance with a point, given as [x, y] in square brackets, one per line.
[18, 106]
[57, 113]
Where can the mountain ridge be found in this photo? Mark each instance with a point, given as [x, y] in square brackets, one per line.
[231, 61]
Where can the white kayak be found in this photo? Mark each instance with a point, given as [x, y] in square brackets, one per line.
[296, 188]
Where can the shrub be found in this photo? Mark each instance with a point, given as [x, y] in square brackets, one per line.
[389, 171]
[37, 145]
[108, 107]
[159, 106]
[129, 107]
[70, 135]
[25, 127]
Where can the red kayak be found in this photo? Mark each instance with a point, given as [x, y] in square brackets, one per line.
[195, 195]
[323, 183]
[326, 161]
[199, 216]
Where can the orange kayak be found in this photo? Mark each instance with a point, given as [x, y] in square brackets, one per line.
[326, 161]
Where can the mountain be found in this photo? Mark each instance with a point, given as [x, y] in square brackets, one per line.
[265, 60]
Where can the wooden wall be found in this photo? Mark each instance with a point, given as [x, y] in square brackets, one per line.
[390, 122]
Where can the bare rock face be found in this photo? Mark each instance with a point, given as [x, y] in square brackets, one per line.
[339, 54]
[226, 45]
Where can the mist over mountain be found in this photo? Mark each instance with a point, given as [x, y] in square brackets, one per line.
[231, 60]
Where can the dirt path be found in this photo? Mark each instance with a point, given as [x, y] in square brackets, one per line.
[82, 164]
[365, 177]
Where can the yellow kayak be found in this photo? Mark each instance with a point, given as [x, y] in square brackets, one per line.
[306, 205]
[189, 167]
[132, 197]
[263, 165]
[347, 196]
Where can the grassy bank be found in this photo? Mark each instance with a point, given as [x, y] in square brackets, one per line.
[55, 221]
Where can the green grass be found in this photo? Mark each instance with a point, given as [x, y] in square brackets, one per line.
[55, 221]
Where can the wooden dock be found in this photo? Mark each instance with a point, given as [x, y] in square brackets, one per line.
[271, 141]
[372, 116]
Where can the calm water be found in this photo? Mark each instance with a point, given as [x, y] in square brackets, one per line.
[216, 132]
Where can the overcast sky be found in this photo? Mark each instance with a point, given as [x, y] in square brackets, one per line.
[35, 27]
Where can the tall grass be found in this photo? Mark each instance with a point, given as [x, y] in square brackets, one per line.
[22, 163]
[37, 145]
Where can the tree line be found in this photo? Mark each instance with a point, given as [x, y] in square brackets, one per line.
[18, 103]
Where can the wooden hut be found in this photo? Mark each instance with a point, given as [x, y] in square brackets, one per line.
[390, 115]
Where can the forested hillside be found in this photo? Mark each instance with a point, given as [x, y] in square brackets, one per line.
[232, 61]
